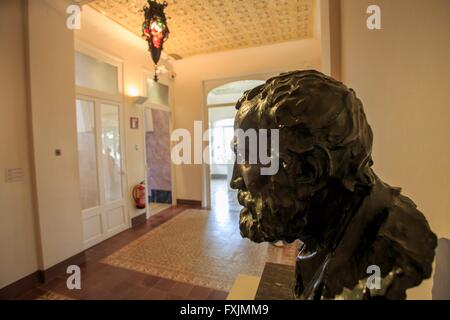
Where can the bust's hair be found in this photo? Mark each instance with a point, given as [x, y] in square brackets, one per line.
[323, 113]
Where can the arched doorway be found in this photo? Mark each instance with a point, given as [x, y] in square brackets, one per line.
[220, 102]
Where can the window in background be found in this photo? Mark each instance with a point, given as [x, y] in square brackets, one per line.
[221, 136]
[230, 93]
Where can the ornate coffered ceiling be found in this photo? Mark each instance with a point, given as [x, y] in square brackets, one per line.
[205, 26]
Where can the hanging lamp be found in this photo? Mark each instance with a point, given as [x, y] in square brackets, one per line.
[155, 30]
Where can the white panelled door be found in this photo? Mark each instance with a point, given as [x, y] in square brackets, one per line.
[102, 178]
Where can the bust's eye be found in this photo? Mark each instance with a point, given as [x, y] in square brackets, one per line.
[306, 172]
[240, 153]
[307, 169]
[233, 145]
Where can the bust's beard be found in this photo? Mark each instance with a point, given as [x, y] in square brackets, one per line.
[250, 228]
[272, 223]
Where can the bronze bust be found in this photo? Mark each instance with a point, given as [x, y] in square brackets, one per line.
[326, 194]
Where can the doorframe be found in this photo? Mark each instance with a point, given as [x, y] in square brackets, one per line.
[147, 74]
[207, 86]
[119, 98]
[100, 174]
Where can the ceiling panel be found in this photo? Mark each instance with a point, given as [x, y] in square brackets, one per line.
[205, 26]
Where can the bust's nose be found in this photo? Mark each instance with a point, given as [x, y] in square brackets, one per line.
[247, 177]
[237, 181]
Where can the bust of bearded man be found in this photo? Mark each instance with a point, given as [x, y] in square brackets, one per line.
[326, 194]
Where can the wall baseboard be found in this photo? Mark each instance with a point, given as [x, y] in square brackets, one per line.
[20, 286]
[218, 176]
[60, 268]
[188, 202]
[140, 219]
[27, 283]
[160, 196]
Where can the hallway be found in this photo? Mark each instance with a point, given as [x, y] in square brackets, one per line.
[118, 142]
[223, 197]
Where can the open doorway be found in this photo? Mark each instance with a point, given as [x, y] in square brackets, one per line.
[157, 152]
[221, 103]
[157, 147]
[221, 120]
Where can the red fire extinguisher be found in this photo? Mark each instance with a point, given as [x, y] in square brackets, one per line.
[140, 196]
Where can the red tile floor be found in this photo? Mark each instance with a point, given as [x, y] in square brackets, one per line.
[105, 282]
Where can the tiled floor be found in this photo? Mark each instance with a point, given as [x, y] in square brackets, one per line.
[224, 204]
[103, 281]
[222, 196]
[156, 207]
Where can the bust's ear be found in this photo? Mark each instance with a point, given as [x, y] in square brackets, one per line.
[342, 169]
[315, 167]
[322, 162]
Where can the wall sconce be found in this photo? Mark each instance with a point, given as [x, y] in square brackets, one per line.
[138, 100]
[132, 91]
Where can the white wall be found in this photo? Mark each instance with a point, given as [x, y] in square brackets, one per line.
[402, 75]
[192, 72]
[52, 101]
[18, 255]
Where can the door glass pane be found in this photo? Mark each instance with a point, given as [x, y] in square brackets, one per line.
[111, 154]
[87, 155]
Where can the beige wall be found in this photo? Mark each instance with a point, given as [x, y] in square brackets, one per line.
[402, 75]
[192, 72]
[330, 35]
[18, 255]
[52, 100]
[39, 228]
